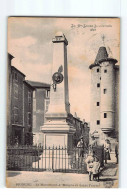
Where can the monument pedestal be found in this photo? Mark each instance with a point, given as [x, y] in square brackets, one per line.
[57, 132]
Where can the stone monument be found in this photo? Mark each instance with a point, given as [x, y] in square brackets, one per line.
[57, 132]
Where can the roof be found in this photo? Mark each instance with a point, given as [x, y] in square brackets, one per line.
[28, 85]
[36, 84]
[10, 56]
[102, 54]
[18, 70]
[93, 65]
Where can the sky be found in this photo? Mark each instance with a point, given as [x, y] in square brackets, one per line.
[30, 42]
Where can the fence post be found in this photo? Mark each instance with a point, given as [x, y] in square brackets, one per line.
[49, 156]
[56, 159]
[53, 158]
[62, 158]
[38, 158]
[59, 157]
[65, 157]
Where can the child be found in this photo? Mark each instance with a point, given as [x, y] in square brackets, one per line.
[96, 167]
[89, 161]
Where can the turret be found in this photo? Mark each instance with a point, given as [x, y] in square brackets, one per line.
[95, 96]
[102, 93]
[107, 107]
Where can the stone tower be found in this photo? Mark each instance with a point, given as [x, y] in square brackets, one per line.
[56, 130]
[103, 95]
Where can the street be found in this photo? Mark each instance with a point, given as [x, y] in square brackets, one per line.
[25, 179]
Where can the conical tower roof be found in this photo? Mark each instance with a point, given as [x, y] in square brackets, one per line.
[102, 54]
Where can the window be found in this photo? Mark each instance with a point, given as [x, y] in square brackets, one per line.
[46, 105]
[98, 84]
[105, 91]
[33, 94]
[47, 93]
[29, 118]
[29, 96]
[105, 115]
[30, 106]
[15, 76]
[34, 104]
[16, 90]
[34, 121]
[97, 69]
[105, 71]
[100, 78]
[98, 122]
[16, 116]
[98, 103]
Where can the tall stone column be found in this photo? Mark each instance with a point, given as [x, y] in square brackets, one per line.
[56, 130]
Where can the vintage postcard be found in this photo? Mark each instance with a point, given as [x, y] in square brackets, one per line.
[63, 102]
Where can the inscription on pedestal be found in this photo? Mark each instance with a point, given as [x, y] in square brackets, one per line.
[55, 140]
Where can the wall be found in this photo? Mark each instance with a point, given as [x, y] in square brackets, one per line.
[95, 97]
[117, 96]
[16, 105]
[39, 108]
[108, 99]
[28, 114]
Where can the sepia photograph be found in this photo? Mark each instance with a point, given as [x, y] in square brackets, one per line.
[63, 102]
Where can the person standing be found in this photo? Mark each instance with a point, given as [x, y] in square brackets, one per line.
[117, 152]
[81, 148]
[107, 149]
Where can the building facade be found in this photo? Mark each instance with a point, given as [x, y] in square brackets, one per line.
[19, 121]
[104, 97]
[41, 98]
[28, 113]
[82, 130]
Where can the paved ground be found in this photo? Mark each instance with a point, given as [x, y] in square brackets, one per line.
[24, 179]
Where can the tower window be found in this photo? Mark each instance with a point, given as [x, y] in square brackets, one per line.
[105, 115]
[97, 69]
[105, 71]
[98, 122]
[98, 103]
[105, 91]
[98, 84]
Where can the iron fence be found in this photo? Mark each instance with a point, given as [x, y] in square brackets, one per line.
[56, 159]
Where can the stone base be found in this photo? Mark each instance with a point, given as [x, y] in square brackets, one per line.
[58, 140]
[55, 139]
[58, 133]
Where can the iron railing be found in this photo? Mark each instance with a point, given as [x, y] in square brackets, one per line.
[56, 159]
